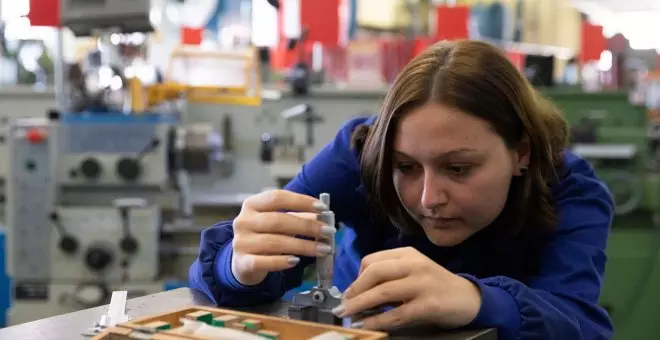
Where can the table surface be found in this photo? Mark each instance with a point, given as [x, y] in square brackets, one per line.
[70, 326]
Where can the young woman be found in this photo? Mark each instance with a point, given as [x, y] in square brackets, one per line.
[462, 208]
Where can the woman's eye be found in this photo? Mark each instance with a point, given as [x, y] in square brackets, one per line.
[405, 167]
[459, 169]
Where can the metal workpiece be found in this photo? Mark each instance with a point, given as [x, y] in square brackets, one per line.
[325, 199]
[325, 264]
[317, 304]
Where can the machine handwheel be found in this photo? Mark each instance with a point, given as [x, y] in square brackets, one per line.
[98, 258]
[69, 244]
[129, 169]
[129, 245]
[90, 168]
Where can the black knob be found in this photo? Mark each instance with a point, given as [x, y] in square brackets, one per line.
[30, 165]
[129, 169]
[98, 258]
[90, 168]
[53, 114]
[69, 244]
[300, 80]
[129, 245]
[267, 148]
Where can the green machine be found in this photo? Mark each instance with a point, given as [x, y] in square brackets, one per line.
[614, 135]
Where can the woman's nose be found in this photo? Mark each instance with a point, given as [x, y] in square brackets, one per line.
[434, 193]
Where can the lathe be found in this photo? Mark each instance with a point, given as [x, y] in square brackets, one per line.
[97, 191]
[89, 199]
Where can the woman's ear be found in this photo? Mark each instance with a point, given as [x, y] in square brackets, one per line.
[521, 157]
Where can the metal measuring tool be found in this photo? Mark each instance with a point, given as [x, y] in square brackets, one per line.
[316, 304]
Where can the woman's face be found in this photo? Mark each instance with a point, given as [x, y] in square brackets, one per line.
[452, 172]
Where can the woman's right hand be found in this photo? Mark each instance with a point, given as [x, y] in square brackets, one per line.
[265, 238]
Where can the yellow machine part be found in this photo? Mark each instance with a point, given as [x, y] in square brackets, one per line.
[145, 97]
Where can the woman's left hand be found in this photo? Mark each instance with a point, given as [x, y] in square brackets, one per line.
[424, 292]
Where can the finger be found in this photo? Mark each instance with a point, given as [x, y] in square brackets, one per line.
[304, 215]
[376, 274]
[403, 315]
[391, 254]
[275, 200]
[274, 244]
[261, 263]
[390, 292]
[279, 223]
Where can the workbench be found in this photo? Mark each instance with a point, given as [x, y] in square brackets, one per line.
[70, 326]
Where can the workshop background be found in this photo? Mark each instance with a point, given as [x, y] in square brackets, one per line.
[246, 93]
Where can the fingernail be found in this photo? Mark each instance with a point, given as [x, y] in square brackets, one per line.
[338, 310]
[293, 260]
[323, 248]
[357, 324]
[328, 230]
[318, 205]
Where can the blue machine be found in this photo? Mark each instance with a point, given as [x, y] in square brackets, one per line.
[89, 117]
[5, 283]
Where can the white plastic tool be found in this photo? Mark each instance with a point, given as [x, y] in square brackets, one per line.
[116, 314]
[117, 308]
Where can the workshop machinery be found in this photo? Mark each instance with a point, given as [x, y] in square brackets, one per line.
[98, 193]
[95, 204]
[66, 251]
[283, 154]
[634, 247]
[621, 141]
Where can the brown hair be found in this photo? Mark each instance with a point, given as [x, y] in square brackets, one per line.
[477, 78]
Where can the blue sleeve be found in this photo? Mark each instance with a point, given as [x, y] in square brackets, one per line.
[335, 170]
[562, 302]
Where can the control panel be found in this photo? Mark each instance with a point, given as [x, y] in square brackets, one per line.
[7, 119]
[32, 191]
[114, 151]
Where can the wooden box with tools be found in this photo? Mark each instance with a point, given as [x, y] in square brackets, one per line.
[206, 323]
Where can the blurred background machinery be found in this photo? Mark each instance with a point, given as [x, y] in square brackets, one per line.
[98, 193]
[621, 141]
[90, 204]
